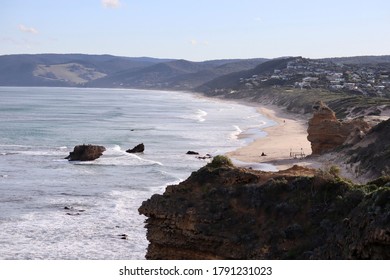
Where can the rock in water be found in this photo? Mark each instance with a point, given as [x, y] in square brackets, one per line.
[86, 152]
[137, 149]
[192, 153]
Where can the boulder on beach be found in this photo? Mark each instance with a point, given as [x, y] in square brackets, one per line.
[137, 149]
[86, 152]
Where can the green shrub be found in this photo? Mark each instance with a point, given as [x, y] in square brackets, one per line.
[220, 161]
[334, 170]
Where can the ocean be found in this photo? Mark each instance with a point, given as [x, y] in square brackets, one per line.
[54, 209]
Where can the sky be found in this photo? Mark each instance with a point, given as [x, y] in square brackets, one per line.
[196, 30]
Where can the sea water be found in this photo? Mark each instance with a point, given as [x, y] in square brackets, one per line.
[54, 209]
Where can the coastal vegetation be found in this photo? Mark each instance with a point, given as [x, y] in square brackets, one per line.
[219, 161]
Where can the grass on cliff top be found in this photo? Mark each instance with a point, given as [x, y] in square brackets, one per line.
[302, 100]
[220, 161]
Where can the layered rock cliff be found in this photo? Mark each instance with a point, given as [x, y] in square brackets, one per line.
[223, 212]
[326, 132]
[361, 145]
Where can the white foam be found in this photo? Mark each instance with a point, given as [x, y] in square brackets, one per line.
[117, 148]
[119, 158]
[200, 115]
[34, 151]
[234, 135]
[41, 153]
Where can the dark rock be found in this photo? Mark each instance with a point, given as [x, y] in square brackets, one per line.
[137, 149]
[206, 156]
[86, 152]
[123, 236]
[73, 214]
[71, 208]
[192, 153]
[236, 213]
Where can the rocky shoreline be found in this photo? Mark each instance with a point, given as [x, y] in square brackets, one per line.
[224, 212]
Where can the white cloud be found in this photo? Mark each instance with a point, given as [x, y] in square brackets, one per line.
[258, 19]
[193, 42]
[111, 3]
[26, 29]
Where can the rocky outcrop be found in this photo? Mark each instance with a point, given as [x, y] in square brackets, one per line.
[223, 212]
[86, 153]
[192, 153]
[326, 132]
[140, 148]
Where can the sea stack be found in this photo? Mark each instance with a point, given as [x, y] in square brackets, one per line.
[326, 132]
[140, 148]
[86, 152]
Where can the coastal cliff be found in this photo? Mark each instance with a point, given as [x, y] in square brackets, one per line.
[224, 212]
[361, 145]
[326, 132]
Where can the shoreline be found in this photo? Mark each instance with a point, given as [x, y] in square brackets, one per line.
[289, 134]
[284, 145]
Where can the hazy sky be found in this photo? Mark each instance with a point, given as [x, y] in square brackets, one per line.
[196, 29]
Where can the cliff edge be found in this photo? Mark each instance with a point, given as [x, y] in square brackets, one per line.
[224, 212]
[326, 132]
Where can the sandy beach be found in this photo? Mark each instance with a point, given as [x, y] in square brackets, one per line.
[285, 145]
[288, 136]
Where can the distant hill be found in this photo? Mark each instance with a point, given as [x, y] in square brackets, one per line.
[232, 80]
[113, 71]
[64, 69]
[153, 76]
[175, 74]
[360, 59]
[172, 74]
[296, 83]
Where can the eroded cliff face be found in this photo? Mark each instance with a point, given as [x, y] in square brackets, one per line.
[232, 213]
[370, 157]
[326, 132]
